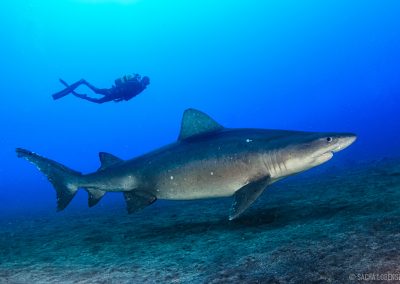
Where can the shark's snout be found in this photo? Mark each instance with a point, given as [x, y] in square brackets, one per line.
[330, 145]
[344, 141]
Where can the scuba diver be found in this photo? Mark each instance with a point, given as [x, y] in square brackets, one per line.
[125, 88]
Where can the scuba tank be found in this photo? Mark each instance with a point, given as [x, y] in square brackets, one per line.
[126, 78]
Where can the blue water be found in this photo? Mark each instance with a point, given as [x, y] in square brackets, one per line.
[314, 65]
[295, 65]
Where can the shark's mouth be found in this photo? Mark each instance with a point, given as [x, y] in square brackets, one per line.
[324, 157]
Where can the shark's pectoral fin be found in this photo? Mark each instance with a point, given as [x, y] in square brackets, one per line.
[138, 199]
[246, 195]
[94, 196]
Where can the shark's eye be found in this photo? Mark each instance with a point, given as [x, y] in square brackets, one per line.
[329, 139]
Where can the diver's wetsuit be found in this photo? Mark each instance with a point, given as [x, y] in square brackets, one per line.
[122, 90]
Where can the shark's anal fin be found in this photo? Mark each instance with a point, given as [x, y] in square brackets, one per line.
[195, 122]
[95, 196]
[246, 195]
[108, 160]
[138, 199]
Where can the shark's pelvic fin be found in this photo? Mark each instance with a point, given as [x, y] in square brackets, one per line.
[195, 122]
[138, 199]
[108, 160]
[246, 195]
[64, 180]
[94, 196]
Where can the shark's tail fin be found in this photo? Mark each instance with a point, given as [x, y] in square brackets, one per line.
[64, 180]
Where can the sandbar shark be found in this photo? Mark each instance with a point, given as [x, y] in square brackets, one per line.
[207, 161]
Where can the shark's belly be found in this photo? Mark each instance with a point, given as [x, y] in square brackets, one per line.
[204, 179]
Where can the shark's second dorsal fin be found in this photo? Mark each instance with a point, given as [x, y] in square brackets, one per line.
[195, 122]
[108, 160]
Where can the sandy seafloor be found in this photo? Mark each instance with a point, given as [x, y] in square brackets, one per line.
[328, 225]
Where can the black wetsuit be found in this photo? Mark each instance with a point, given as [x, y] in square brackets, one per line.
[122, 90]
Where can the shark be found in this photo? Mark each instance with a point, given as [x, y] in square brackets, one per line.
[207, 161]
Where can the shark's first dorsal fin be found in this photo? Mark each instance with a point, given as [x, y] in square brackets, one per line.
[108, 160]
[195, 122]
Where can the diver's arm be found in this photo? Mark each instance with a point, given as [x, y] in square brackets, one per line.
[134, 88]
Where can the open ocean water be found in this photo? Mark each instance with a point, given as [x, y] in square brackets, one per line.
[321, 66]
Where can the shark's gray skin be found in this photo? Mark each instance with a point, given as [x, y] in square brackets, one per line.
[207, 161]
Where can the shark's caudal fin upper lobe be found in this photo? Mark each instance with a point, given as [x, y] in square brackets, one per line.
[64, 180]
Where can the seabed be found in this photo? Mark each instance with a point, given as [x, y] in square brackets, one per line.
[330, 225]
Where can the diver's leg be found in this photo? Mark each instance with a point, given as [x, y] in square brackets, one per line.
[104, 92]
[85, 97]
[94, 100]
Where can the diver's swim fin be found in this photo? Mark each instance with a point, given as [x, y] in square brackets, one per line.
[63, 82]
[61, 94]
[69, 89]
